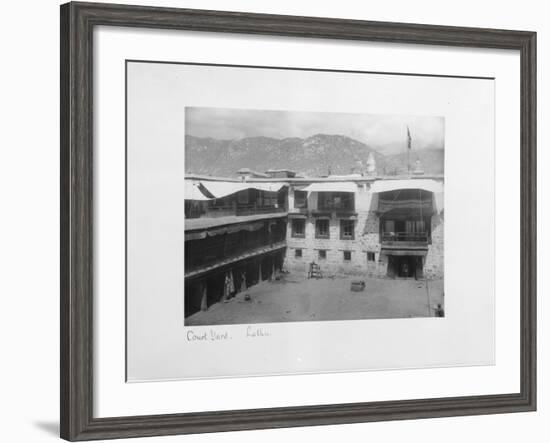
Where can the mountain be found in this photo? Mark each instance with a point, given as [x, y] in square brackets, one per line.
[312, 156]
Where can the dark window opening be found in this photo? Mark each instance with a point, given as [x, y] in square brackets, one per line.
[347, 229]
[347, 255]
[298, 253]
[322, 229]
[298, 228]
[322, 254]
[336, 201]
[370, 256]
[300, 199]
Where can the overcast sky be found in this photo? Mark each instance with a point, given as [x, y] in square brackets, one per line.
[387, 133]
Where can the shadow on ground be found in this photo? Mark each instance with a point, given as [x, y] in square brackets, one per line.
[49, 427]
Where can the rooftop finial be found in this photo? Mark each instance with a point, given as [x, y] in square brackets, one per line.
[371, 164]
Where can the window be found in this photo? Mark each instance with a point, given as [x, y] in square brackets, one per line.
[322, 229]
[322, 254]
[347, 255]
[370, 256]
[298, 253]
[298, 228]
[336, 201]
[300, 199]
[347, 229]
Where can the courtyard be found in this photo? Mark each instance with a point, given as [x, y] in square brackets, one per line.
[294, 298]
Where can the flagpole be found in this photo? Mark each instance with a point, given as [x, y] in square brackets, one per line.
[409, 161]
[408, 151]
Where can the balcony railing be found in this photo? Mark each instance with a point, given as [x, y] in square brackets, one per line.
[405, 237]
[222, 211]
[194, 213]
[336, 208]
[387, 205]
[253, 209]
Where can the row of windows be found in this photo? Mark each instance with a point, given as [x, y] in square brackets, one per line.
[322, 254]
[347, 228]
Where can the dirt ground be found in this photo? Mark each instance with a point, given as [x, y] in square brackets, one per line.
[297, 299]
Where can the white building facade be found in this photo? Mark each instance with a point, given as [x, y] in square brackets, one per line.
[378, 227]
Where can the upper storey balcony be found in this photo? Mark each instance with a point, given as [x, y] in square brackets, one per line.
[235, 199]
[327, 199]
[405, 217]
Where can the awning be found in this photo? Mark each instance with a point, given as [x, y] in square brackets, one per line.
[331, 187]
[222, 189]
[192, 192]
[394, 185]
[224, 230]
[425, 184]
[205, 223]
[268, 187]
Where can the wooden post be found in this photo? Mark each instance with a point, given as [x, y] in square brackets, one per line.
[260, 270]
[272, 276]
[243, 281]
[204, 296]
[225, 294]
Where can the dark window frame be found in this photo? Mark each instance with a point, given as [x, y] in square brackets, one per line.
[347, 255]
[304, 204]
[327, 201]
[343, 224]
[318, 233]
[322, 254]
[298, 253]
[293, 231]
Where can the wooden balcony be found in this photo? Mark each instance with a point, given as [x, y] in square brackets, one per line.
[226, 210]
[254, 209]
[411, 204]
[405, 238]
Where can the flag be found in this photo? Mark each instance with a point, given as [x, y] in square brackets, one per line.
[408, 138]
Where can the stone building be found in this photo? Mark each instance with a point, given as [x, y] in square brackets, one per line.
[241, 231]
[235, 237]
[379, 227]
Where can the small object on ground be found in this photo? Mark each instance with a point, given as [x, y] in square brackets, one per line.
[247, 297]
[357, 285]
[314, 271]
[439, 311]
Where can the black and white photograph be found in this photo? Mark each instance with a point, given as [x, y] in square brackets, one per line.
[228, 221]
[303, 216]
[268, 205]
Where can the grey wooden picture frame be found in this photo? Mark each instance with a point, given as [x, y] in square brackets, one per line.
[77, 208]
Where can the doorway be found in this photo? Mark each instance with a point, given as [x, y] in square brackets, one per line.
[405, 266]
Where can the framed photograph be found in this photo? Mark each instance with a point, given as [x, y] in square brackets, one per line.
[273, 221]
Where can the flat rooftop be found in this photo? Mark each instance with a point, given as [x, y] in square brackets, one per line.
[307, 180]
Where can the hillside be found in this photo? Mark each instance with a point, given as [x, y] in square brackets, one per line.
[313, 156]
